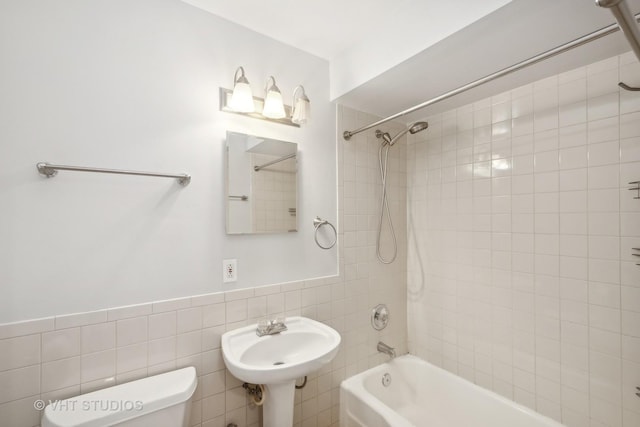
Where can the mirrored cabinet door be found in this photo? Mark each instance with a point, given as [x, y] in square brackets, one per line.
[261, 185]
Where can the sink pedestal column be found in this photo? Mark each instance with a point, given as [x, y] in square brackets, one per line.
[277, 410]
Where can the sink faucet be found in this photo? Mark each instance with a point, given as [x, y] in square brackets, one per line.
[270, 327]
[383, 348]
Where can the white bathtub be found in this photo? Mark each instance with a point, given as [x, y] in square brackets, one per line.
[423, 395]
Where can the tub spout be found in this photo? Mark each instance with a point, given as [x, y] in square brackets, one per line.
[383, 348]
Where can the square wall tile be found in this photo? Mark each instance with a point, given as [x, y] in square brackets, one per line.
[162, 325]
[19, 352]
[101, 336]
[190, 319]
[60, 374]
[98, 365]
[60, 344]
[19, 383]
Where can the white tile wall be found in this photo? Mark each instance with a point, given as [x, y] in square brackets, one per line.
[520, 273]
[274, 191]
[60, 357]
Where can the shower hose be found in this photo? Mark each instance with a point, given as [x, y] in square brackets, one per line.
[384, 206]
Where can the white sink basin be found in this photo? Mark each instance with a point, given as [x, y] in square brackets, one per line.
[304, 347]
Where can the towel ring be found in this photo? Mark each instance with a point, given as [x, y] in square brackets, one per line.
[319, 222]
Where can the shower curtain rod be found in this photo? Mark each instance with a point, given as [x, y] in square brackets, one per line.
[626, 22]
[605, 31]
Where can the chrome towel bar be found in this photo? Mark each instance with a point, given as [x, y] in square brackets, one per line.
[50, 171]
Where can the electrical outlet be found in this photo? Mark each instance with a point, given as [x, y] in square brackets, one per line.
[229, 270]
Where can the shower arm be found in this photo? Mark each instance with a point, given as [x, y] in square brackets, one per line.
[595, 35]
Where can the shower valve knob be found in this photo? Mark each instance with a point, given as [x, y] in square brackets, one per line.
[380, 317]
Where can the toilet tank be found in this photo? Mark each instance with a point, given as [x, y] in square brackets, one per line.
[161, 401]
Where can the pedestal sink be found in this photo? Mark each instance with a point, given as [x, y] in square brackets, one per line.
[276, 361]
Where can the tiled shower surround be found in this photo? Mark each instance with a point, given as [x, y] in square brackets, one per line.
[63, 356]
[520, 234]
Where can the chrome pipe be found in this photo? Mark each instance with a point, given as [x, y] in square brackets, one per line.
[50, 171]
[626, 21]
[603, 32]
[273, 162]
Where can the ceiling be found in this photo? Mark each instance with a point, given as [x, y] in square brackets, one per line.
[328, 27]
[389, 55]
[361, 39]
[514, 33]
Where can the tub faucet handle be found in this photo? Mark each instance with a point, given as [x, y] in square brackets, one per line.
[379, 317]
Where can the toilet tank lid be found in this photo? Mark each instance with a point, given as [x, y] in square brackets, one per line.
[119, 403]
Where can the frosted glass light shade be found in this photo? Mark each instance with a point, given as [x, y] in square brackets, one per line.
[273, 104]
[242, 98]
[301, 111]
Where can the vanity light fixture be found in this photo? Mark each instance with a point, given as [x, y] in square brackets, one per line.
[273, 104]
[301, 106]
[242, 98]
[241, 101]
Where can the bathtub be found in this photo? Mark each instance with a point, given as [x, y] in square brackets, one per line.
[409, 392]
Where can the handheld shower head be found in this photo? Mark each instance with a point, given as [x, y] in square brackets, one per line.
[413, 129]
[383, 157]
[417, 127]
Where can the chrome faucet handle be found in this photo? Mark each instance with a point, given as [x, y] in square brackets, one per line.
[263, 326]
[271, 327]
[380, 317]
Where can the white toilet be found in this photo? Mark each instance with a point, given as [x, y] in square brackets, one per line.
[160, 401]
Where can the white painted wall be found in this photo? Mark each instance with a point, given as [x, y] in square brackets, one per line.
[134, 85]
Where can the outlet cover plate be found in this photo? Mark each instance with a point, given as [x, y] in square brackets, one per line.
[229, 270]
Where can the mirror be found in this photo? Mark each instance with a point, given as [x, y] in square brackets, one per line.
[261, 185]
